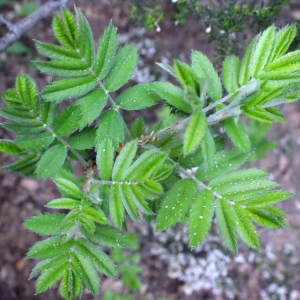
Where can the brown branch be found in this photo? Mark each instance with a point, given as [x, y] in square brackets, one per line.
[17, 30]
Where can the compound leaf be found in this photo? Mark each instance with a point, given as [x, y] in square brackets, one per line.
[91, 106]
[226, 224]
[106, 51]
[100, 260]
[66, 121]
[116, 208]
[262, 51]
[9, 147]
[137, 97]
[172, 94]
[105, 158]
[45, 224]
[84, 139]
[121, 70]
[194, 132]
[51, 275]
[124, 160]
[85, 270]
[51, 161]
[203, 68]
[65, 88]
[230, 73]
[245, 228]
[237, 134]
[176, 203]
[34, 141]
[110, 127]
[201, 215]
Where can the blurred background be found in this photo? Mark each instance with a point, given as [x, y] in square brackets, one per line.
[161, 265]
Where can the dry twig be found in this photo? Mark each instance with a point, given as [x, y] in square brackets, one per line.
[16, 30]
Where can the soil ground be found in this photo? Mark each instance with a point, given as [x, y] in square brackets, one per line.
[21, 197]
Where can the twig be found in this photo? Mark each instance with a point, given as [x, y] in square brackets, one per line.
[17, 30]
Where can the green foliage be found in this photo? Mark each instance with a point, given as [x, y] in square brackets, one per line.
[140, 173]
[227, 22]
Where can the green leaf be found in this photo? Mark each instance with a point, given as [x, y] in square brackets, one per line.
[268, 198]
[172, 94]
[65, 88]
[176, 203]
[283, 39]
[70, 23]
[264, 216]
[237, 133]
[85, 270]
[99, 259]
[17, 48]
[27, 8]
[107, 236]
[84, 39]
[66, 121]
[121, 71]
[224, 162]
[262, 51]
[57, 52]
[226, 224]
[49, 262]
[184, 74]
[34, 141]
[124, 160]
[208, 149]
[50, 247]
[9, 147]
[70, 286]
[203, 68]
[25, 165]
[61, 33]
[82, 140]
[238, 184]
[128, 203]
[28, 92]
[137, 128]
[137, 97]
[201, 216]
[24, 127]
[94, 214]
[48, 112]
[110, 127]
[244, 75]
[65, 68]
[91, 106]
[287, 63]
[18, 116]
[230, 73]
[245, 228]
[132, 192]
[51, 161]
[63, 203]
[167, 68]
[116, 208]
[106, 52]
[67, 186]
[260, 114]
[144, 166]
[45, 224]
[50, 276]
[194, 132]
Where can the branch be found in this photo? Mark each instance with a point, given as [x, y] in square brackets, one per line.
[17, 30]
